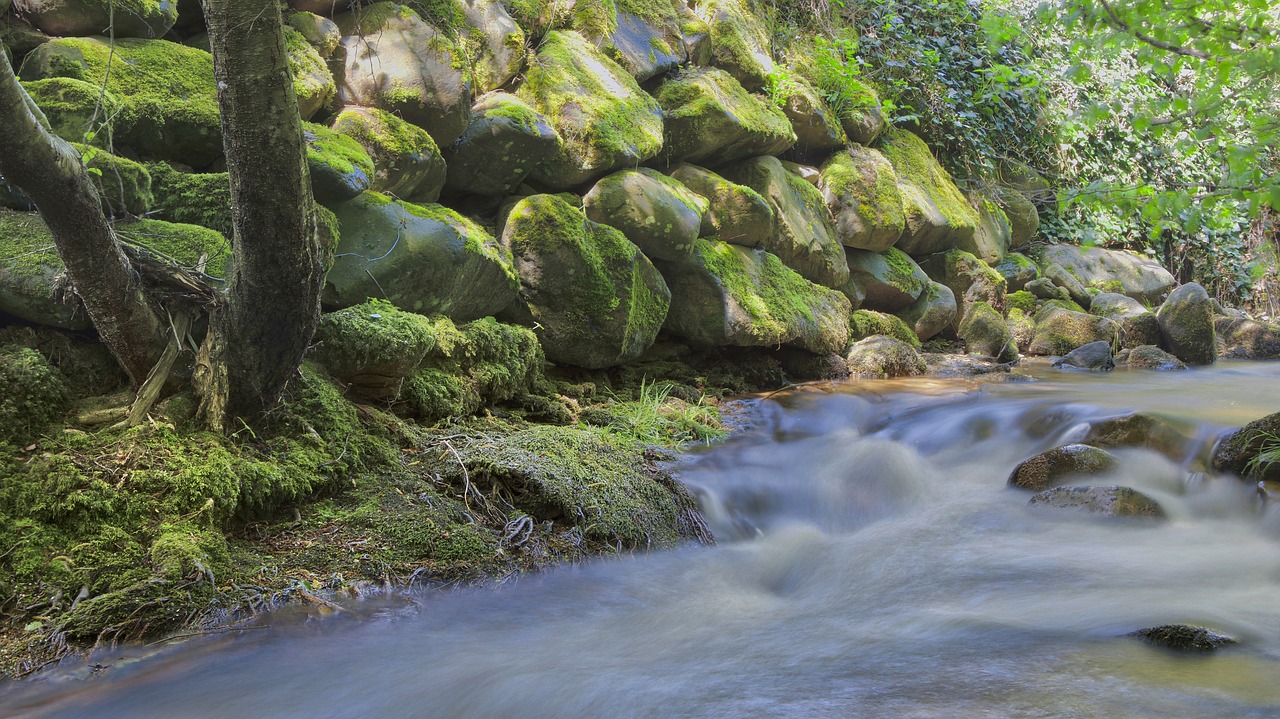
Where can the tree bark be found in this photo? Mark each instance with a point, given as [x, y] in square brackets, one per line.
[52, 174]
[274, 289]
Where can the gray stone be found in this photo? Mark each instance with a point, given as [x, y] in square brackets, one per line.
[1186, 325]
[739, 42]
[1017, 271]
[1024, 220]
[985, 333]
[1064, 279]
[1109, 501]
[1045, 289]
[1153, 358]
[1110, 270]
[1238, 451]
[889, 280]
[1058, 331]
[1060, 465]
[1138, 325]
[861, 192]
[938, 216]
[406, 161]
[1092, 356]
[934, 311]
[504, 142]
[736, 213]
[501, 53]
[1139, 430]
[1183, 638]
[1244, 338]
[992, 237]
[709, 119]
[78, 18]
[657, 213]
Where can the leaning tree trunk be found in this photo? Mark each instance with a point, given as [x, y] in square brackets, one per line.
[52, 174]
[273, 303]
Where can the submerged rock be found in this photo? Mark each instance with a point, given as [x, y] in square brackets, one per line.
[1092, 356]
[1059, 465]
[1183, 638]
[1139, 430]
[1154, 358]
[1109, 501]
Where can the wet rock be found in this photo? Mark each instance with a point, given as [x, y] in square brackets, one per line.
[1092, 356]
[1139, 430]
[1240, 451]
[1064, 279]
[880, 356]
[1138, 325]
[1243, 338]
[1058, 331]
[931, 313]
[949, 365]
[1154, 358]
[861, 191]
[1186, 325]
[708, 118]
[736, 213]
[890, 280]
[1017, 271]
[1109, 501]
[1183, 638]
[1059, 465]
[657, 213]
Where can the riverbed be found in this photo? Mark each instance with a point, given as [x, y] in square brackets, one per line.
[871, 562]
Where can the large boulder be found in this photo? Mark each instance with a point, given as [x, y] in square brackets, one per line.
[191, 198]
[1153, 358]
[340, 168]
[75, 18]
[1251, 450]
[496, 43]
[869, 323]
[505, 140]
[319, 31]
[971, 279]
[709, 119]
[660, 215]
[934, 311]
[594, 299]
[73, 107]
[727, 295]
[803, 237]
[313, 82]
[1017, 271]
[884, 357]
[165, 92]
[861, 191]
[391, 59]
[817, 126]
[605, 120]
[1092, 356]
[1058, 331]
[29, 269]
[938, 217]
[426, 259]
[1058, 275]
[735, 214]
[739, 42]
[1138, 326]
[1024, 220]
[1243, 338]
[1110, 270]
[985, 333]
[1061, 465]
[645, 39]
[372, 347]
[889, 280]
[1186, 325]
[406, 161]
[992, 237]
[472, 365]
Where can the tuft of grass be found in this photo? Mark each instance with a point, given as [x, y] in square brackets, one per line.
[656, 417]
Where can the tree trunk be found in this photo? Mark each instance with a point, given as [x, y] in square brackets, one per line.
[274, 288]
[52, 174]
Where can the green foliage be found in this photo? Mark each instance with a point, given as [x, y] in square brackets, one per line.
[657, 417]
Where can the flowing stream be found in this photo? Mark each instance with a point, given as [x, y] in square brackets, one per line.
[872, 563]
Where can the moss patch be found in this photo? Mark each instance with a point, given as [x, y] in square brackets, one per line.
[190, 246]
[32, 393]
[867, 323]
[192, 198]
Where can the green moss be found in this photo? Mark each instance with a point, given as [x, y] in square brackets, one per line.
[383, 134]
[915, 164]
[373, 337]
[26, 246]
[191, 198]
[336, 150]
[313, 83]
[1023, 301]
[187, 245]
[698, 101]
[32, 393]
[903, 272]
[1050, 305]
[76, 109]
[770, 292]
[866, 323]
[517, 112]
[125, 186]
[444, 14]
[481, 362]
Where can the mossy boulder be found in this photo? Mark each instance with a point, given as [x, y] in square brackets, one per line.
[938, 217]
[592, 296]
[992, 237]
[504, 142]
[708, 118]
[1243, 338]
[970, 279]
[1110, 270]
[1045, 289]
[1153, 358]
[1186, 325]
[1248, 452]
[644, 37]
[1107, 501]
[803, 237]
[72, 108]
[191, 246]
[1094, 356]
[1058, 331]
[321, 7]
[425, 259]
[932, 313]
[406, 161]
[1139, 430]
[884, 357]
[168, 105]
[313, 82]
[869, 323]
[471, 366]
[1061, 465]
[1138, 326]
[493, 42]
[657, 213]
[391, 59]
[735, 213]
[1018, 270]
[862, 117]
[372, 347]
[1024, 220]
[1059, 276]
[605, 121]
[861, 192]
[74, 18]
[816, 125]
[340, 167]
[319, 31]
[32, 393]
[191, 198]
[124, 185]
[727, 295]
[889, 280]
[588, 479]
[985, 333]
[739, 41]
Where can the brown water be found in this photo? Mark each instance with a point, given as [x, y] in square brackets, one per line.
[872, 564]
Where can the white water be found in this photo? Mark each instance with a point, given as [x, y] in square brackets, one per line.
[872, 564]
